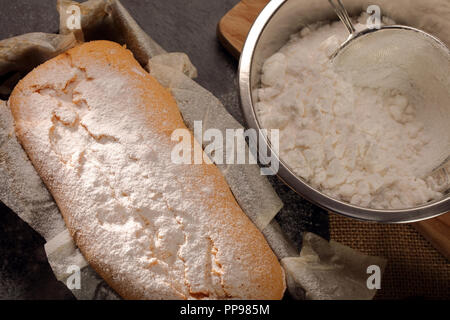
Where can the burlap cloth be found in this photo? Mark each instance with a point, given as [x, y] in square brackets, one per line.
[414, 269]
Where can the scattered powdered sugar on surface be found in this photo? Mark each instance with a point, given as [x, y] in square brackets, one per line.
[361, 145]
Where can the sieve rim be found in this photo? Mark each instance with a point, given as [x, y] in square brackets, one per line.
[357, 35]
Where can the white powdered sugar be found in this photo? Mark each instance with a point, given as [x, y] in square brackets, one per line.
[101, 142]
[362, 145]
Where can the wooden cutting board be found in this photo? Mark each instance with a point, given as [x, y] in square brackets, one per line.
[232, 31]
[437, 231]
[235, 25]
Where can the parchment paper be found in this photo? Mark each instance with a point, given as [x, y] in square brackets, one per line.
[24, 191]
[327, 270]
[19, 55]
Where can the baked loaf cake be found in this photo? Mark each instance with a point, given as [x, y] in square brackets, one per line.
[97, 128]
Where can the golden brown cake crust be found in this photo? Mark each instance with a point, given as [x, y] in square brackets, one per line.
[98, 129]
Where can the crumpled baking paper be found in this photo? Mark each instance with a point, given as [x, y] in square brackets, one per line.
[108, 20]
[21, 189]
[329, 270]
[24, 191]
[19, 55]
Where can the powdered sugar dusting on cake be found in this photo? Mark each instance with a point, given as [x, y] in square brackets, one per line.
[154, 229]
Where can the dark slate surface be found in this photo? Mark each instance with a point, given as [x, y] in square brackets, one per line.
[178, 25]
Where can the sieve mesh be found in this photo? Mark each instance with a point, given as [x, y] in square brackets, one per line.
[412, 62]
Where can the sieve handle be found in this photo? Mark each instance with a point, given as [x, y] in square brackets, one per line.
[343, 15]
[441, 176]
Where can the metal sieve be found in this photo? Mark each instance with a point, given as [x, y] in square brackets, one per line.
[272, 29]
